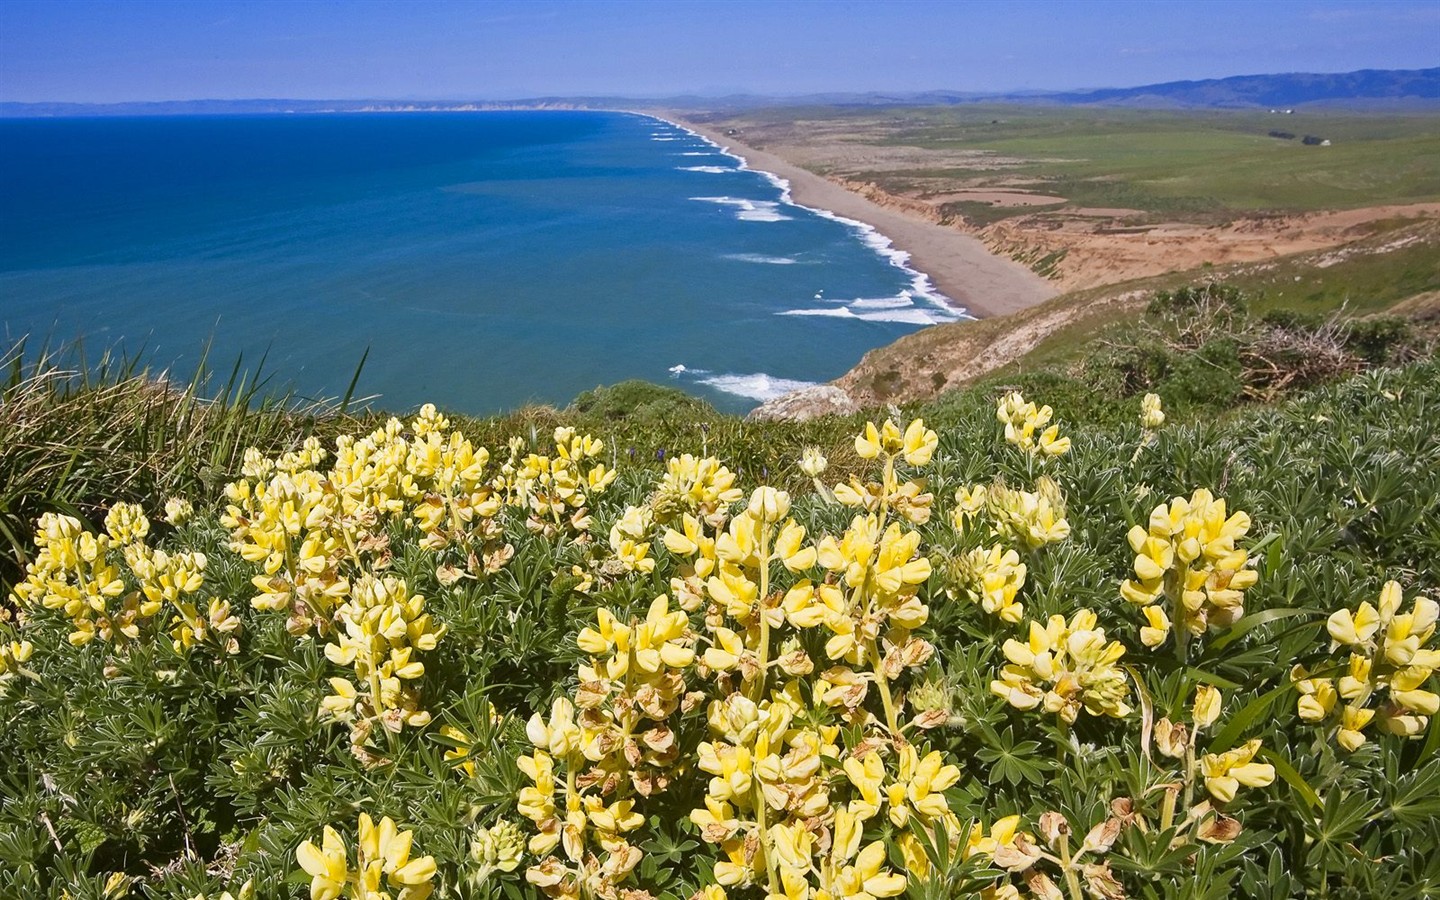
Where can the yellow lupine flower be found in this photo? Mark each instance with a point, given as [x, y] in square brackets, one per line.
[1226, 772]
[1036, 518]
[560, 736]
[13, 656]
[726, 652]
[769, 505]
[126, 524]
[461, 752]
[995, 576]
[873, 441]
[326, 865]
[1354, 628]
[1317, 695]
[732, 767]
[919, 443]
[1051, 444]
[1157, 627]
[694, 487]
[1065, 666]
[616, 818]
[382, 860]
[1353, 720]
[1388, 653]
[738, 869]
[1002, 834]
[1152, 416]
[1022, 420]
[867, 774]
[1207, 706]
[813, 462]
[1405, 689]
[497, 848]
[1187, 551]
[791, 548]
[627, 540]
[867, 877]
[920, 785]
[969, 501]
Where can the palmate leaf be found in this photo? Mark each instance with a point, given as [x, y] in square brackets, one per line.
[1417, 797]
[1012, 761]
[1014, 764]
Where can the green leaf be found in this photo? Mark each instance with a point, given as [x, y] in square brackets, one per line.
[1211, 678]
[1241, 721]
[1292, 777]
[1253, 621]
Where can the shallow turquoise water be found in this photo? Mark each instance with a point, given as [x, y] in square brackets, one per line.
[485, 260]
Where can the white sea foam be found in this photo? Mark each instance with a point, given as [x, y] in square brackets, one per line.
[698, 153]
[759, 386]
[750, 210]
[713, 170]
[900, 309]
[940, 308]
[900, 302]
[663, 138]
[911, 316]
[762, 258]
[756, 386]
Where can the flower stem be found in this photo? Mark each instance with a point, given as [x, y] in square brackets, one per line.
[764, 554]
[1072, 881]
[885, 699]
[1175, 590]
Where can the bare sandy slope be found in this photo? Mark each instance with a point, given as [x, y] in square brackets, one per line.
[959, 265]
[1094, 252]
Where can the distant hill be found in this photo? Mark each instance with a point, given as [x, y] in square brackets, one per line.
[1379, 89]
[1384, 88]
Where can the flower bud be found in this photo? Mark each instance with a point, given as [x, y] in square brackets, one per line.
[1151, 415]
[813, 462]
[769, 505]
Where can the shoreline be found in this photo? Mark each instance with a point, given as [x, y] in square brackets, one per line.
[960, 267]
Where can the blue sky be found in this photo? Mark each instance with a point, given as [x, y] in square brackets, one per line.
[118, 50]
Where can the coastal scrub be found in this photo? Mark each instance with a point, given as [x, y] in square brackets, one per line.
[1000, 656]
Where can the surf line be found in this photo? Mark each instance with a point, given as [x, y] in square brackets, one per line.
[920, 284]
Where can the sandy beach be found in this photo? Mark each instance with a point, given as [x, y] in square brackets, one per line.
[958, 265]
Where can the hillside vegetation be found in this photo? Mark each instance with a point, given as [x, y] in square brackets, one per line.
[1387, 280]
[1008, 651]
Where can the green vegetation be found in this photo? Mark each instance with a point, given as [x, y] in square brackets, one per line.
[79, 434]
[1366, 277]
[1192, 165]
[174, 763]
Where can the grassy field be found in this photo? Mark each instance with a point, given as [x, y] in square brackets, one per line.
[1192, 165]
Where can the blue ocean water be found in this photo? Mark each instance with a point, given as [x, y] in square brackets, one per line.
[484, 259]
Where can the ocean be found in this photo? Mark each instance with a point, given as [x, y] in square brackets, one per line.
[484, 260]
